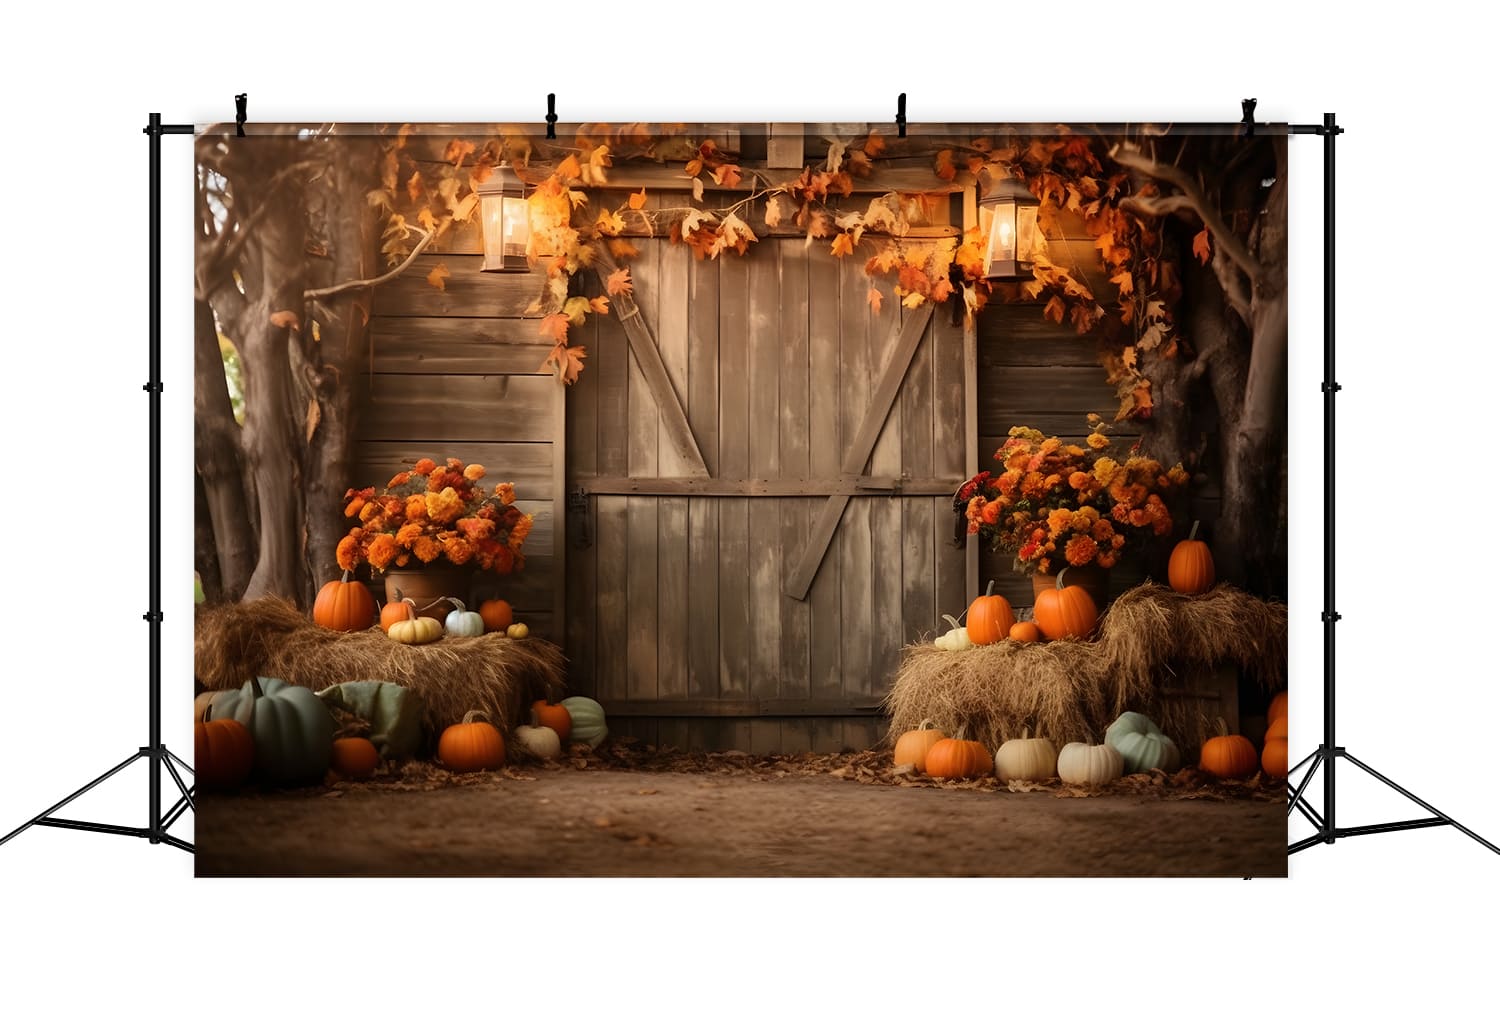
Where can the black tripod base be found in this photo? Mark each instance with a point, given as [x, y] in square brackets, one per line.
[1327, 832]
[159, 757]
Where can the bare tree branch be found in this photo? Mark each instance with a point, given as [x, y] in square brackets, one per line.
[1129, 156]
[370, 282]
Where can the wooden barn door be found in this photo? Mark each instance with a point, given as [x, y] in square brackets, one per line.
[759, 473]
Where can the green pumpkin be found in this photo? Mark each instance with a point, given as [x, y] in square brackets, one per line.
[293, 731]
[1142, 744]
[588, 721]
[394, 713]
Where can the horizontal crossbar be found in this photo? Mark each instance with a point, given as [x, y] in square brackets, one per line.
[1391, 826]
[94, 826]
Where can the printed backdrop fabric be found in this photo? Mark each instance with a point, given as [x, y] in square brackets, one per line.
[688, 499]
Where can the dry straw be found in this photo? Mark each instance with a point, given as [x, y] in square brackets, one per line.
[270, 637]
[1071, 690]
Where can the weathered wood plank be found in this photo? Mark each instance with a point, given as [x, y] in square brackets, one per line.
[1055, 390]
[526, 464]
[825, 381]
[641, 555]
[763, 436]
[582, 563]
[673, 268]
[649, 361]
[971, 443]
[949, 456]
[735, 563]
[919, 433]
[560, 501]
[467, 291]
[792, 327]
[449, 344]
[864, 406]
[449, 408]
[703, 513]
[611, 598]
[887, 573]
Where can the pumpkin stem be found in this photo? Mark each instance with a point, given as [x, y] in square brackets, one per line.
[952, 622]
[1025, 732]
[1060, 573]
[925, 724]
[1223, 726]
[473, 716]
[990, 589]
[1193, 533]
[346, 577]
[456, 603]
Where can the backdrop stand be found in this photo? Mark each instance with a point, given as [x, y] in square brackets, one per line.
[1329, 753]
[156, 753]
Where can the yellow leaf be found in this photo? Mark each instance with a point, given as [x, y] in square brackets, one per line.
[1055, 309]
[425, 218]
[1125, 281]
[698, 189]
[1201, 247]
[621, 249]
[437, 275]
[570, 168]
[577, 310]
[314, 417]
[599, 304]
[843, 244]
[317, 333]
[775, 210]
[414, 185]
[619, 282]
[638, 199]
[609, 223]
[457, 150]
[874, 299]
[566, 361]
[286, 318]
[913, 300]
[554, 326]
[465, 208]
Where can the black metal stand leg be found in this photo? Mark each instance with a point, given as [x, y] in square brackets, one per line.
[132, 759]
[1445, 820]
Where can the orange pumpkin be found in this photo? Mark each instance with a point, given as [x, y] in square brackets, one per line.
[1277, 731]
[344, 606]
[554, 716]
[1190, 570]
[223, 752]
[1025, 633]
[397, 611]
[355, 757]
[990, 617]
[497, 615]
[915, 744]
[1066, 611]
[1273, 758]
[1278, 707]
[1229, 757]
[472, 745]
[958, 758]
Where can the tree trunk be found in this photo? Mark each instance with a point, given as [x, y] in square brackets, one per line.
[216, 453]
[205, 553]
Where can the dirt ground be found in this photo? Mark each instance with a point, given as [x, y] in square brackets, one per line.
[728, 818]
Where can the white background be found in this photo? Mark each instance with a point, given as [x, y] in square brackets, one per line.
[1375, 927]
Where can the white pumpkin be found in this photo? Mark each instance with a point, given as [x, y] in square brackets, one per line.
[956, 639]
[539, 741]
[1083, 764]
[1142, 744]
[1026, 759]
[461, 621]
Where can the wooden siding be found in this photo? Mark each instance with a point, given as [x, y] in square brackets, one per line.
[457, 373]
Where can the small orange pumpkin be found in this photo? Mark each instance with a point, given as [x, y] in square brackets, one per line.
[1190, 570]
[1277, 731]
[1273, 758]
[1065, 611]
[990, 617]
[1278, 707]
[497, 615]
[958, 758]
[1229, 757]
[223, 752]
[472, 745]
[914, 745]
[397, 611]
[554, 716]
[355, 757]
[344, 606]
[1025, 633]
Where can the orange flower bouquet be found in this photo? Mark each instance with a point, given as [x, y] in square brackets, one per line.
[430, 512]
[1056, 504]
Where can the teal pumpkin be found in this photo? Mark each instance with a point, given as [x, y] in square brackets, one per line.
[1142, 744]
[394, 713]
[293, 731]
[588, 721]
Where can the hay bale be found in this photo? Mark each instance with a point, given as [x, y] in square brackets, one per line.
[270, 637]
[1072, 690]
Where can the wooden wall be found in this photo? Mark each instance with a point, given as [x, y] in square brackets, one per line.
[456, 373]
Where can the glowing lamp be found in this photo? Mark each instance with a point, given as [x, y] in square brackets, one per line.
[1007, 215]
[506, 221]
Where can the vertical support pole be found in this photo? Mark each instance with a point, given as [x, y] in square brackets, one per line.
[153, 389]
[1330, 388]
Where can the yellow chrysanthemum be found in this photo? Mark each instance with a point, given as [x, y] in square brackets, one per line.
[519, 532]
[1058, 520]
[506, 493]
[1105, 470]
[408, 534]
[1097, 441]
[458, 550]
[426, 549]
[473, 471]
[416, 507]
[1177, 475]
[444, 506]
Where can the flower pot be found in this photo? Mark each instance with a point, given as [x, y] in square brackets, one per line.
[427, 586]
[1092, 578]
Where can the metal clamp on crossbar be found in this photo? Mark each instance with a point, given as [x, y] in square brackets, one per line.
[1331, 616]
[152, 616]
[152, 387]
[1332, 387]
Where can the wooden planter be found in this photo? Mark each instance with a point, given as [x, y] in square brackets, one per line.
[428, 586]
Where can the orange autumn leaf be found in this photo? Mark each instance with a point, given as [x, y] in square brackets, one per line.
[570, 168]
[1200, 246]
[286, 318]
[727, 175]
[874, 297]
[414, 185]
[622, 249]
[874, 145]
[843, 244]
[457, 150]
[943, 165]
[619, 282]
[554, 326]
[1055, 309]
[436, 276]
[638, 199]
[599, 304]
[566, 361]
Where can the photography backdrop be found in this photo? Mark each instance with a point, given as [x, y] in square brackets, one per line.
[732, 415]
[117, 883]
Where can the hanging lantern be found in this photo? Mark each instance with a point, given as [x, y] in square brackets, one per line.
[506, 221]
[1008, 218]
